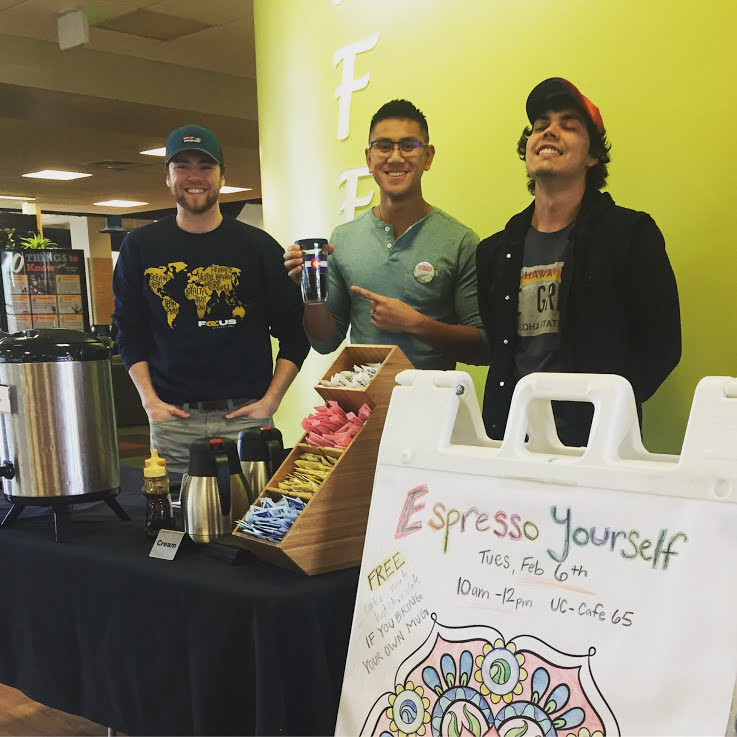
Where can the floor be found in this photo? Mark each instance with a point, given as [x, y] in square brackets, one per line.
[21, 717]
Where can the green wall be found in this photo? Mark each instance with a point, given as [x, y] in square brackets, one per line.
[662, 73]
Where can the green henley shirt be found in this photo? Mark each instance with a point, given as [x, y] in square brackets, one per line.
[442, 288]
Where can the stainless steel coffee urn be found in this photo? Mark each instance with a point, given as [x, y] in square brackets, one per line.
[57, 419]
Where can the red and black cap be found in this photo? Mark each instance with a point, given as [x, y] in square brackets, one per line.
[556, 90]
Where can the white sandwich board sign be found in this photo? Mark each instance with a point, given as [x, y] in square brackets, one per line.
[522, 588]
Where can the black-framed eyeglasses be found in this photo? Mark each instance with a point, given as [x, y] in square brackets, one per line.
[407, 146]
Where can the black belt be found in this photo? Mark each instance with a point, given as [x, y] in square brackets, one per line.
[216, 405]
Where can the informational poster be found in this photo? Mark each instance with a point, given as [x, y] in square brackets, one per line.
[44, 289]
[494, 605]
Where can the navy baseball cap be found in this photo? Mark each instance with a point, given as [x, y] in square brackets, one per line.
[556, 90]
[193, 138]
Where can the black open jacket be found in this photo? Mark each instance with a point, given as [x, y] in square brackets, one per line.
[618, 305]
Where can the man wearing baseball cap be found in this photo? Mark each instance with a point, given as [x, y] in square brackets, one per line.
[198, 296]
[574, 283]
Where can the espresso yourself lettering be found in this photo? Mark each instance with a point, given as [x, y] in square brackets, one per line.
[655, 549]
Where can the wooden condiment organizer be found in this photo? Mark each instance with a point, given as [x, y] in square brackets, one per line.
[329, 532]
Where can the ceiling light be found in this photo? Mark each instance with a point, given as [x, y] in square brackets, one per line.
[120, 203]
[155, 151]
[53, 174]
[226, 189]
[13, 197]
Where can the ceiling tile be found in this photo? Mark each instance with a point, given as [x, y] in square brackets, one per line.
[213, 13]
[93, 9]
[222, 48]
[150, 24]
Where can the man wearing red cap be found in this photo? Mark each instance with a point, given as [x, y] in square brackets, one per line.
[574, 283]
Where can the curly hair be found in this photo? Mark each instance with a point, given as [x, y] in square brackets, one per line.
[599, 148]
[400, 109]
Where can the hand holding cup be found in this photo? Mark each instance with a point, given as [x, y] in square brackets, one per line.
[307, 262]
[293, 262]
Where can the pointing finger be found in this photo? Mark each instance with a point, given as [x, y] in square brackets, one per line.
[366, 293]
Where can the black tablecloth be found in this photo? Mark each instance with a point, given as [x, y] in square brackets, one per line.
[96, 627]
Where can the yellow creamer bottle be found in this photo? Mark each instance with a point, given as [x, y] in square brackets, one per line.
[156, 490]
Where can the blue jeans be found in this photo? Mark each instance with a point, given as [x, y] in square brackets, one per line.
[173, 437]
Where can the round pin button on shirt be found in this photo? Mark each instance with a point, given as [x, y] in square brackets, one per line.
[424, 272]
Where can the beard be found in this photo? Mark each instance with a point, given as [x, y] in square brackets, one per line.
[207, 204]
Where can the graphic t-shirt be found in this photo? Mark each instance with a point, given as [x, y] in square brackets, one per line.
[201, 309]
[538, 348]
[210, 288]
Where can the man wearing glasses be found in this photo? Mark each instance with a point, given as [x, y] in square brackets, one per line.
[403, 272]
[574, 283]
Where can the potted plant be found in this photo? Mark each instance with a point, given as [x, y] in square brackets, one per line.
[36, 241]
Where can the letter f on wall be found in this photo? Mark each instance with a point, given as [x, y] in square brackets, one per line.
[352, 200]
[348, 85]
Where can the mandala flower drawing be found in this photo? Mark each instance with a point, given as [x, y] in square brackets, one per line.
[471, 681]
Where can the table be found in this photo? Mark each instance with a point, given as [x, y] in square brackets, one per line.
[96, 627]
